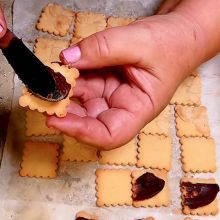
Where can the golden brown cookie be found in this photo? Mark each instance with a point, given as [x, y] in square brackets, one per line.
[192, 121]
[39, 160]
[189, 92]
[198, 154]
[154, 151]
[36, 124]
[55, 19]
[58, 108]
[76, 151]
[124, 155]
[160, 199]
[159, 125]
[88, 23]
[118, 21]
[113, 187]
[48, 49]
[210, 209]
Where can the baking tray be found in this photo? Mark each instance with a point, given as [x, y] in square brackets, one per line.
[73, 190]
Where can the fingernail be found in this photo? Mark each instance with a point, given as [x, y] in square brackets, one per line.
[70, 55]
[1, 29]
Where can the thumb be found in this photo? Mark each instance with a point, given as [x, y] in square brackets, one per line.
[111, 47]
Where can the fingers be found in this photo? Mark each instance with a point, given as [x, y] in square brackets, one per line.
[89, 85]
[2, 23]
[167, 6]
[115, 46]
[111, 129]
[95, 106]
[92, 107]
[85, 129]
[93, 85]
[76, 109]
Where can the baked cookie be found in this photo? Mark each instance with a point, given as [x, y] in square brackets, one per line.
[188, 93]
[154, 151]
[36, 124]
[199, 196]
[159, 125]
[159, 197]
[57, 108]
[48, 49]
[191, 121]
[88, 23]
[55, 19]
[124, 155]
[113, 187]
[77, 151]
[198, 154]
[39, 160]
[118, 21]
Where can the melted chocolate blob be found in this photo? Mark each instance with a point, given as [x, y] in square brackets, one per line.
[147, 186]
[199, 194]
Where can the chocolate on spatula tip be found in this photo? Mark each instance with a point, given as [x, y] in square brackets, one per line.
[40, 80]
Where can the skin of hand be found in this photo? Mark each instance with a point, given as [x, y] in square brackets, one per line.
[3, 26]
[151, 57]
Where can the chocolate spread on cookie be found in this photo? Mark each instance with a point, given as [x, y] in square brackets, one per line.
[199, 194]
[62, 87]
[147, 186]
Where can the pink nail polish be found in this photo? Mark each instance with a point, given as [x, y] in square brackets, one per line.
[1, 29]
[71, 55]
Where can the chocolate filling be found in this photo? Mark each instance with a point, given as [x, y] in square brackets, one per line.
[147, 186]
[199, 194]
[61, 90]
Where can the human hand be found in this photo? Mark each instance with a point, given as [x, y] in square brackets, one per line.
[2, 23]
[152, 56]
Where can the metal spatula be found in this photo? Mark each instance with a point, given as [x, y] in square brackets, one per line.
[40, 80]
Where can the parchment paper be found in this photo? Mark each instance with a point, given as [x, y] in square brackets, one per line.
[74, 188]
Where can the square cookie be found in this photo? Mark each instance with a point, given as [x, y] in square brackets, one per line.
[159, 125]
[88, 23]
[39, 160]
[116, 21]
[48, 49]
[124, 155]
[36, 124]
[191, 121]
[198, 154]
[58, 108]
[55, 19]
[113, 187]
[77, 151]
[160, 199]
[154, 151]
[189, 92]
[210, 209]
